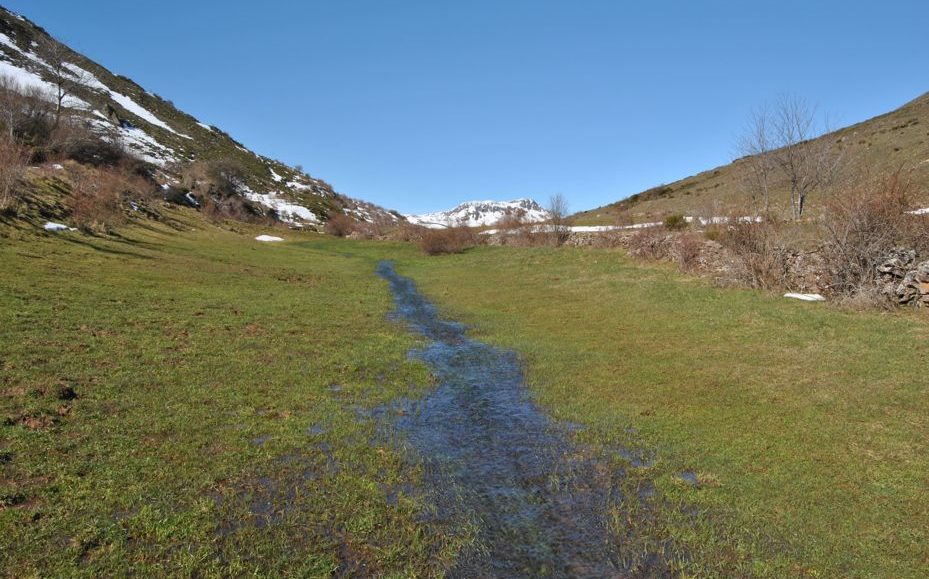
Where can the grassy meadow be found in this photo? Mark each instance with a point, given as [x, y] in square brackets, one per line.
[184, 400]
[806, 425]
[213, 426]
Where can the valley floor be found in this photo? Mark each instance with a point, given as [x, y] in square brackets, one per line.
[182, 401]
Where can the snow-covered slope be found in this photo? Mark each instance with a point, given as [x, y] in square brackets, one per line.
[154, 130]
[482, 213]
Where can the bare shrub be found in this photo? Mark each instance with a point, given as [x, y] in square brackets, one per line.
[686, 250]
[99, 196]
[861, 224]
[26, 113]
[217, 185]
[340, 225]
[74, 140]
[96, 201]
[760, 256]
[219, 178]
[13, 158]
[650, 243]
[407, 232]
[368, 230]
[234, 207]
[558, 220]
[450, 240]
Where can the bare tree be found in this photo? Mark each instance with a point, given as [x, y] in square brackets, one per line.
[558, 218]
[66, 77]
[785, 142]
[756, 145]
[25, 111]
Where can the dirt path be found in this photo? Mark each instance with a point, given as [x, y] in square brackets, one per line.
[493, 460]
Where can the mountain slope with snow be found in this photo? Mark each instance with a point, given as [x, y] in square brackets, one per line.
[152, 129]
[482, 214]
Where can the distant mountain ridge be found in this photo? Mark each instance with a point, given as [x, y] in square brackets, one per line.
[152, 129]
[482, 214]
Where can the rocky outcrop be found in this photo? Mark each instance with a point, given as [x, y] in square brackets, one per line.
[903, 280]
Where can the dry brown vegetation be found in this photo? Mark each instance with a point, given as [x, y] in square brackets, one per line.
[862, 224]
[449, 240]
[13, 158]
[340, 225]
[99, 197]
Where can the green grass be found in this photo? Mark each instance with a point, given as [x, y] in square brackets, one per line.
[806, 424]
[204, 365]
[207, 437]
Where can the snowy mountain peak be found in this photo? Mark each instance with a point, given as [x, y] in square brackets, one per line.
[482, 213]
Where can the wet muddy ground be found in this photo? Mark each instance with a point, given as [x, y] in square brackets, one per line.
[538, 504]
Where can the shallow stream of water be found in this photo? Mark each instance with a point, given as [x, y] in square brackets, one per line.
[495, 461]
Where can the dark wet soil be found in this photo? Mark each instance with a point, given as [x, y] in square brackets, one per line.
[538, 503]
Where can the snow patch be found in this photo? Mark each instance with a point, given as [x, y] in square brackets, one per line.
[139, 143]
[136, 109]
[923, 211]
[298, 185]
[52, 226]
[30, 80]
[286, 211]
[268, 238]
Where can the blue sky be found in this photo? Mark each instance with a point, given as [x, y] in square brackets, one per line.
[418, 105]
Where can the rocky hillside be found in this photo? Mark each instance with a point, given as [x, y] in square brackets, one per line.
[896, 140]
[482, 214]
[152, 129]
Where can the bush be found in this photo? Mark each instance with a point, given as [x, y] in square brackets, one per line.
[95, 201]
[760, 257]
[99, 196]
[450, 240]
[675, 222]
[26, 113]
[13, 158]
[686, 250]
[340, 225]
[862, 224]
[90, 149]
[219, 178]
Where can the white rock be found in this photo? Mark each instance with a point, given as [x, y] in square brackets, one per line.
[805, 297]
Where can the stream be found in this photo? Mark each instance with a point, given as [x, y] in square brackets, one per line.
[538, 503]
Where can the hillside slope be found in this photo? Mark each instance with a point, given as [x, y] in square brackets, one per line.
[896, 140]
[152, 129]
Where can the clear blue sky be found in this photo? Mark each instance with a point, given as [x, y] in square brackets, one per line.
[418, 105]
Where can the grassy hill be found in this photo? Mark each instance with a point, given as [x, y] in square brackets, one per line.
[149, 126]
[896, 140]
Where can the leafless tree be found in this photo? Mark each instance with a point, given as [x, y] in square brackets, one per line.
[66, 79]
[558, 218]
[24, 111]
[784, 142]
[756, 145]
